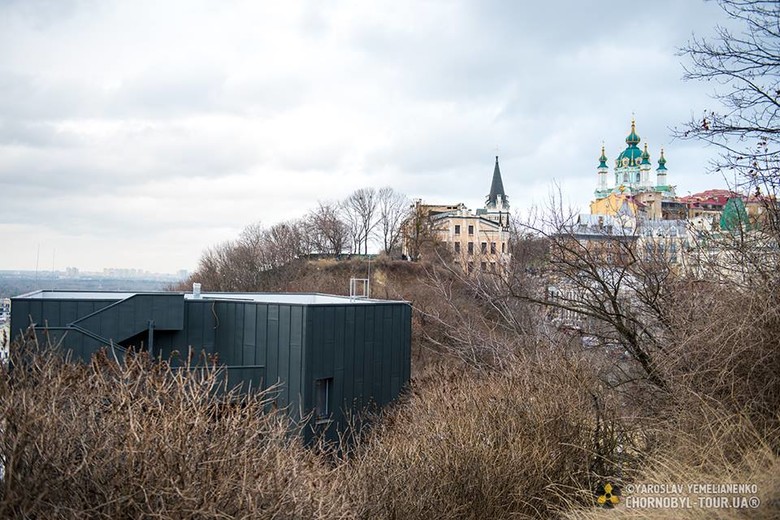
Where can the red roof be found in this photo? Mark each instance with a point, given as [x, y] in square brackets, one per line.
[711, 198]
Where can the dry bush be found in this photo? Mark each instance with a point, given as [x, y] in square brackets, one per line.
[476, 317]
[137, 439]
[471, 445]
[705, 444]
[727, 348]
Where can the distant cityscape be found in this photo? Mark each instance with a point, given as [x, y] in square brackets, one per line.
[108, 272]
[16, 282]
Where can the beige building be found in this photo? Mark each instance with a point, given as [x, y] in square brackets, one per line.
[477, 241]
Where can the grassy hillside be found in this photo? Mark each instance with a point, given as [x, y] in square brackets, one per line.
[506, 416]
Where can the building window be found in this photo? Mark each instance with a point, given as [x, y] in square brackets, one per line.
[471, 230]
[471, 267]
[471, 248]
[323, 388]
[483, 266]
[503, 247]
[483, 248]
[457, 247]
[457, 229]
[492, 248]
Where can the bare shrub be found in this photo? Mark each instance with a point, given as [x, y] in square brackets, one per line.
[726, 348]
[705, 444]
[471, 445]
[137, 439]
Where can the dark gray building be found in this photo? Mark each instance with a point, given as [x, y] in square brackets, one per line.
[331, 355]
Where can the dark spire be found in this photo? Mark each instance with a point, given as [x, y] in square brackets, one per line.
[496, 187]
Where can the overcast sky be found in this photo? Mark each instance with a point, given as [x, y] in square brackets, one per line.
[138, 133]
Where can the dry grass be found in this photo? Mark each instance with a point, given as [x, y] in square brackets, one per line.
[721, 422]
[139, 440]
[471, 445]
[708, 445]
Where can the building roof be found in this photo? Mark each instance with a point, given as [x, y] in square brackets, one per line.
[734, 215]
[496, 186]
[601, 226]
[289, 298]
[76, 295]
[645, 156]
[716, 197]
[633, 138]
[632, 153]
[662, 162]
[279, 298]
[603, 158]
[674, 227]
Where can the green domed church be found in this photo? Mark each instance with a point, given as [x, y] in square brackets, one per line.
[631, 175]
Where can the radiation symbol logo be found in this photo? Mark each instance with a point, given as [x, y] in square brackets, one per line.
[608, 496]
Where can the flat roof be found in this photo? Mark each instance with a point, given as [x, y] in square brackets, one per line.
[76, 295]
[288, 298]
[299, 298]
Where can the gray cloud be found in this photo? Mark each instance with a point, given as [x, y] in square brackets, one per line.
[168, 127]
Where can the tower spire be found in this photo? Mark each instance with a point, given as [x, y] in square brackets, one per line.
[633, 139]
[661, 178]
[497, 199]
[662, 161]
[645, 156]
[603, 158]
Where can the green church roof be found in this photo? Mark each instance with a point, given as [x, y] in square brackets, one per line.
[632, 152]
[645, 156]
[603, 158]
[661, 162]
[633, 138]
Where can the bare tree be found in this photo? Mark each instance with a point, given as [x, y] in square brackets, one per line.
[595, 286]
[259, 259]
[209, 267]
[361, 211]
[353, 222]
[614, 295]
[329, 234]
[746, 64]
[419, 232]
[393, 210]
[284, 242]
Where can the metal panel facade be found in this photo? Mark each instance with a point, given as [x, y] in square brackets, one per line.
[56, 314]
[362, 349]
